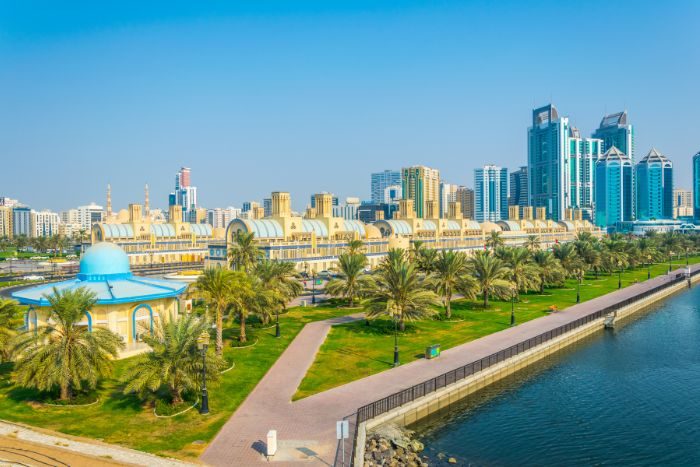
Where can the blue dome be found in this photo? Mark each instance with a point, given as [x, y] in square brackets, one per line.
[104, 259]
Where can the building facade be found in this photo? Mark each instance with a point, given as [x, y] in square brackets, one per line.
[348, 210]
[5, 222]
[491, 193]
[421, 185]
[519, 188]
[613, 189]
[582, 156]
[465, 197]
[696, 187]
[44, 223]
[448, 194]
[682, 203]
[21, 221]
[380, 182]
[220, 218]
[185, 195]
[654, 180]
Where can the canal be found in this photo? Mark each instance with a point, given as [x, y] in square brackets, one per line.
[625, 397]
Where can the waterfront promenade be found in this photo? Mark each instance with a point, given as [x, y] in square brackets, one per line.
[306, 428]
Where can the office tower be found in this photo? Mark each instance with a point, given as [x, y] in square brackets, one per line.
[380, 182]
[267, 206]
[696, 187]
[185, 195]
[392, 194]
[465, 196]
[547, 160]
[421, 185]
[654, 180]
[222, 217]
[682, 203]
[448, 194]
[44, 223]
[5, 222]
[582, 156]
[21, 221]
[247, 206]
[519, 189]
[348, 210]
[613, 188]
[491, 193]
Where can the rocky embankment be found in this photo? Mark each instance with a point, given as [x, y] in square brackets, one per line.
[389, 445]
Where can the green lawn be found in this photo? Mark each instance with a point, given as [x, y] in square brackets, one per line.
[123, 420]
[353, 351]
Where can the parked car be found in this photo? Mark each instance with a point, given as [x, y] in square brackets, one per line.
[33, 277]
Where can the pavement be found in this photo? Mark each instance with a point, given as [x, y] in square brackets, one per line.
[306, 429]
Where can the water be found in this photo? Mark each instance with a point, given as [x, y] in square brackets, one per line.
[624, 397]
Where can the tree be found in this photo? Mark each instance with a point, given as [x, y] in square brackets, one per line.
[494, 240]
[549, 269]
[532, 243]
[215, 287]
[566, 254]
[174, 362]
[451, 274]
[62, 353]
[249, 297]
[280, 279]
[491, 275]
[244, 253]
[523, 272]
[10, 321]
[352, 283]
[355, 247]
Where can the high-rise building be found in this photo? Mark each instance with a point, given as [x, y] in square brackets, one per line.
[348, 210]
[8, 202]
[654, 179]
[519, 189]
[465, 196]
[5, 222]
[421, 185]
[44, 223]
[696, 187]
[392, 194]
[380, 182]
[547, 161]
[267, 206]
[221, 217]
[682, 203]
[582, 156]
[491, 193]
[613, 189]
[448, 193]
[83, 216]
[21, 221]
[185, 195]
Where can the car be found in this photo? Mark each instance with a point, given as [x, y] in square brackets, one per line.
[33, 277]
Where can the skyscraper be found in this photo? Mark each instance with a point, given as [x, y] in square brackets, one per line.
[465, 196]
[546, 161]
[382, 180]
[185, 195]
[613, 188]
[696, 187]
[582, 156]
[491, 193]
[422, 185]
[519, 188]
[448, 192]
[682, 203]
[654, 179]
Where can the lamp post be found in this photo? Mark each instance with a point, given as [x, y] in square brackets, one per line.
[687, 275]
[277, 323]
[396, 341]
[512, 306]
[670, 259]
[313, 287]
[578, 288]
[619, 275]
[203, 345]
[649, 267]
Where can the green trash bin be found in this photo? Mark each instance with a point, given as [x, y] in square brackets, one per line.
[432, 351]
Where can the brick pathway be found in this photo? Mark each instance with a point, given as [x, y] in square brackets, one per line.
[306, 428]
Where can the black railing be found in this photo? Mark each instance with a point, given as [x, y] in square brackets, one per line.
[405, 396]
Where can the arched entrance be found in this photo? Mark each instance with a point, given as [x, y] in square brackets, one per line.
[141, 319]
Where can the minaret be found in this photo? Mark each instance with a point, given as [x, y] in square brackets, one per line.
[109, 200]
[146, 206]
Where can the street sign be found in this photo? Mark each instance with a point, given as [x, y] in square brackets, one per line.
[342, 428]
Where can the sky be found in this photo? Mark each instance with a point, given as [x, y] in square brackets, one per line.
[309, 96]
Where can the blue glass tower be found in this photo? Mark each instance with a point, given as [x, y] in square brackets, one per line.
[696, 187]
[654, 178]
[491, 193]
[613, 189]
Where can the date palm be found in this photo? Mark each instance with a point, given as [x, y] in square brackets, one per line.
[566, 254]
[532, 243]
[244, 253]
[523, 271]
[494, 240]
[491, 275]
[549, 269]
[355, 247]
[215, 287]
[63, 353]
[10, 322]
[280, 280]
[352, 283]
[451, 273]
[174, 362]
[249, 297]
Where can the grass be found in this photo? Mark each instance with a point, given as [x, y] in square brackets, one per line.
[125, 420]
[355, 350]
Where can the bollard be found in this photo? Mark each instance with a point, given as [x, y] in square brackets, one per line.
[271, 443]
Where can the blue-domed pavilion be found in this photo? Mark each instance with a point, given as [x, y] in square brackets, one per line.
[126, 304]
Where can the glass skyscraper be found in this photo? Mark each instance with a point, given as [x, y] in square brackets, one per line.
[381, 181]
[654, 180]
[613, 188]
[519, 187]
[491, 193]
[696, 187]
[582, 156]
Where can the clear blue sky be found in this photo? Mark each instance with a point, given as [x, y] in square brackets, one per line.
[257, 96]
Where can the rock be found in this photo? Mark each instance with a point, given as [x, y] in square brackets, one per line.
[415, 445]
[452, 460]
[441, 455]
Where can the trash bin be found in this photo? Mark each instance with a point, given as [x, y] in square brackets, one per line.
[432, 351]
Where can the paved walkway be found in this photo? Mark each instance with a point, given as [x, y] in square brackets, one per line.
[306, 428]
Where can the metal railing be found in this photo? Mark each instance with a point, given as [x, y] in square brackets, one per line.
[405, 396]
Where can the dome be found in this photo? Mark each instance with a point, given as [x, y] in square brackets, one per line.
[104, 259]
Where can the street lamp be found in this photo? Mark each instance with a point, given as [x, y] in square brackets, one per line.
[313, 287]
[512, 306]
[578, 288]
[203, 345]
[649, 267]
[670, 259]
[619, 275]
[277, 323]
[396, 341]
[687, 275]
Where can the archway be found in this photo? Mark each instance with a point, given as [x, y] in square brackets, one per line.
[141, 313]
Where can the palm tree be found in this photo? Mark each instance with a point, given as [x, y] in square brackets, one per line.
[394, 257]
[549, 269]
[174, 361]
[494, 240]
[62, 353]
[491, 275]
[566, 254]
[244, 253]
[532, 243]
[425, 259]
[523, 272]
[10, 321]
[249, 297]
[403, 295]
[280, 279]
[352, 283]
[215, 287]
[452, 273]
[355, 247]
